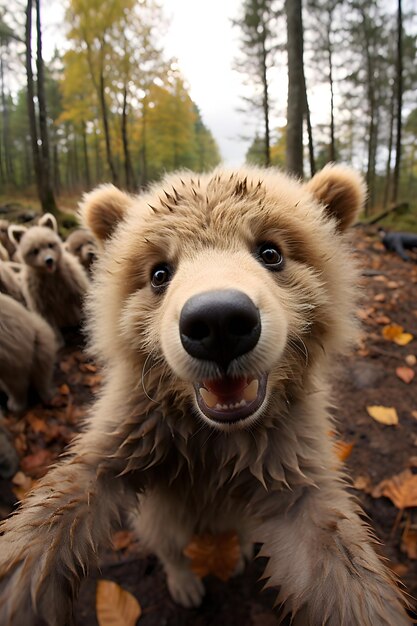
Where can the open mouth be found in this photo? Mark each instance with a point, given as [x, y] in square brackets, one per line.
[229, 400]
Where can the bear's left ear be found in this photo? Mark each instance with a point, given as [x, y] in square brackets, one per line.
[103, 209]
[49, 221]
[341, 190]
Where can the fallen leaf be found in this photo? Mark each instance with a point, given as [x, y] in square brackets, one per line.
[214, 554]
[36, 423]
[401, 489]
[403, 339]
[383, 414]
[414, 414]
[122, 539]
[400, 569]
[64, 390]
[380, 297]
[115, 606]
[22, 484]
[392, 284]
[36, 464]
[411, 359]
[363, 483]
[382, 319]
[395, 333]
[406, 374]
[409, 542]
[343, 449]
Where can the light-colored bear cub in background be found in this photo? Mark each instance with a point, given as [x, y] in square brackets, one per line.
[54, 282]
[216, 307]
[83, 245]
[27, 354]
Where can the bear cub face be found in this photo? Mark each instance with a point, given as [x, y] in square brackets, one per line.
[226, 291]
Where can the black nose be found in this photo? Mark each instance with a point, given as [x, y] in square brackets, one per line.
[219, 325]
[49, 261]
[91, 256]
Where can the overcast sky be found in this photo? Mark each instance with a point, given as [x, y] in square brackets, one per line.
[201, 36]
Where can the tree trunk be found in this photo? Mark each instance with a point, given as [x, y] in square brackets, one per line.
[265, 101]
[144, 153]
[8, 163]
[47, 198]
[129, 174]
[309, 131]
[31, 101]
[332, 146]
[296, 99]
[399, 82]
[85, 154]
[104, 117]
[390, 142]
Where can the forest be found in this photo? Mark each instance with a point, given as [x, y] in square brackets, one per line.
[94, 401]
[111, 106]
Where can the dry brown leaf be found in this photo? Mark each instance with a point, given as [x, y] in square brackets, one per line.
[383, 414]
[122, 539]
[363, 483]
[392, 284]
[64, 390]
[22, 484]
[400, 569]
[409, 542]
[382, 319]
[343, 449]
[411, 359]
[414, 414]
[400, 489]
[115, 606]
[214, 554]
[406, 374]
[36, 464]
[380, 297]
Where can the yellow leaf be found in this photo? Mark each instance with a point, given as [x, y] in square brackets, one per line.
[391, 331]
[383, 414]
[400, 489]
[403, 339]
[115, 606]
[395, 333]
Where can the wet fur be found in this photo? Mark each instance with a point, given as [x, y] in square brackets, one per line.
[147, 449]
[57, 295]
[27, 353]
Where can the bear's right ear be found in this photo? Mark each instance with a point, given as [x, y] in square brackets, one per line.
[16, 233]
[103, 209]
[49, 221]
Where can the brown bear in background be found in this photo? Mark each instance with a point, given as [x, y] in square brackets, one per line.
[54, 283]
[10, 281]
[217, 306]
[5, 240]
[83, 245]
[27, 354]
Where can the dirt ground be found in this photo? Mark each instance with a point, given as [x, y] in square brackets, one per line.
[367, 377]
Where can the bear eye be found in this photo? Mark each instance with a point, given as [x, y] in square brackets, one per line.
[270, 255]
[51, 245]
[160, 276]
[35, 251]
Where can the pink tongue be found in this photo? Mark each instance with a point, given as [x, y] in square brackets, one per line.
[226, 387]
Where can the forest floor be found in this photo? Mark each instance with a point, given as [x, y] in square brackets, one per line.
[379, 372]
